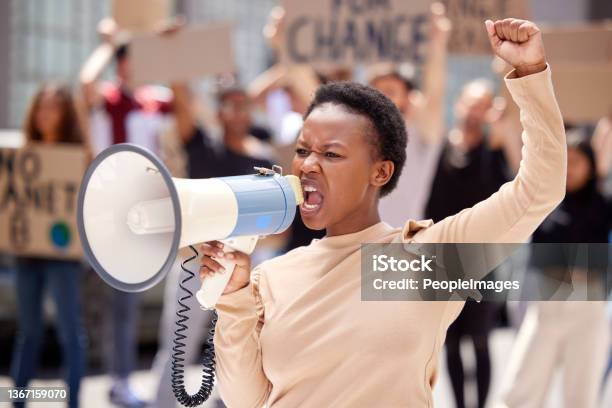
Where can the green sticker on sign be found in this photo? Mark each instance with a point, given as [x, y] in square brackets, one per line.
[60, 234]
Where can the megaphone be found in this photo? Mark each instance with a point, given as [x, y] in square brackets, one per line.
[133, 217]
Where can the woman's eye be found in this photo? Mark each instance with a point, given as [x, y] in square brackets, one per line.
[301, 152]
[332, 155]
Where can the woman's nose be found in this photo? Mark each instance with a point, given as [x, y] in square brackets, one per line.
[311, 163]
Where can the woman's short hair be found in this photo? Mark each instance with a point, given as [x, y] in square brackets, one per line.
[388, 127]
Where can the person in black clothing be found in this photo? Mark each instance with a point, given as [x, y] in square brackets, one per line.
[585, 214]
[468, 171]
[571, 334]
[239, 151]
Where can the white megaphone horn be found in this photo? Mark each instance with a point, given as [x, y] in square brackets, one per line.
[133, 217]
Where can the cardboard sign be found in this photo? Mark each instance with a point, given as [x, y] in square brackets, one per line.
[340, 33]
[581, 63]
[188, 54]
[580, 44]
[140, 15]
[583, 92]
[469, 35]
[11, 138]
[39, 185]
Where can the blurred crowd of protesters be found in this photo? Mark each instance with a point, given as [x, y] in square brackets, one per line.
[447, 169]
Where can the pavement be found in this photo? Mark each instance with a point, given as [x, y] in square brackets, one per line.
[94, 392]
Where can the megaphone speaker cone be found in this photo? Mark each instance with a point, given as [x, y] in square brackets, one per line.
[119, 178]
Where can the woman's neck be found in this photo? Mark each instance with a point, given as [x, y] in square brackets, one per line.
[235, 143]
[50, 137]
[357, 221]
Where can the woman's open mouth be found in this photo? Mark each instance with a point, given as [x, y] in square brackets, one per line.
[313, 199]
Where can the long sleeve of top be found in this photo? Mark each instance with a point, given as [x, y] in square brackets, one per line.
[515, 211]
[299, 333]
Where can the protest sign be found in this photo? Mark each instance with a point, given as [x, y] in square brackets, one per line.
[140, 15]
[581, 61]
[578, 44]
[469, 35]
[11, 138]
[584, 92]
[191, 53]
[38, 196]
[340, 33]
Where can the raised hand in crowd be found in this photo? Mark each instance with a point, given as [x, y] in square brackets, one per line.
[602, 145]
[427, 106]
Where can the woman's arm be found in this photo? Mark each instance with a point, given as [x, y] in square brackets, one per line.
[240, 376]
[427, 110]
[183, 111]
[96, 63]
[302, 81]
[515, 211]
[265, 82]
[241, 380]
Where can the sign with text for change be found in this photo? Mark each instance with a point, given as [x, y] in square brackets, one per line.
[340, 33]
[39, 185]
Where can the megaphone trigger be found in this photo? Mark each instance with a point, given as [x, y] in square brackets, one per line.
[213, 287]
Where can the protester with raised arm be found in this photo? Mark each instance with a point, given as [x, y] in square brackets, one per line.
[294, 332]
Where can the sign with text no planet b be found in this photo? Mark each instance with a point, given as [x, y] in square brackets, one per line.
[340, 33]
[38, 195]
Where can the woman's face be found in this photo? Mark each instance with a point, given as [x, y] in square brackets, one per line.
[48, 115]
[235, 114]
[394, 89]
[578, 170]
[335, 160]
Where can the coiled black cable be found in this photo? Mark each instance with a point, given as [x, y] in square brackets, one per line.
[178, 360]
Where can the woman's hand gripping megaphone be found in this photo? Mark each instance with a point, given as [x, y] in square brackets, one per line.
[209, 266]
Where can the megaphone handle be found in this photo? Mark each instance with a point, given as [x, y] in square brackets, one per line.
[213, 287]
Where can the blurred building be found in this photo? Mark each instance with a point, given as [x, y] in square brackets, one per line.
[49, 39]
[42, 40]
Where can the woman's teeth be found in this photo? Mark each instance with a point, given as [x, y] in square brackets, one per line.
[312, 198]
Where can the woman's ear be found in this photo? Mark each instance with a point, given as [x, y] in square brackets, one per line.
[383, 170]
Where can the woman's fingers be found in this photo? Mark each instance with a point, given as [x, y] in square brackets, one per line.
[212, 264]
[209, 267]
[239, 258]
[212, 248]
